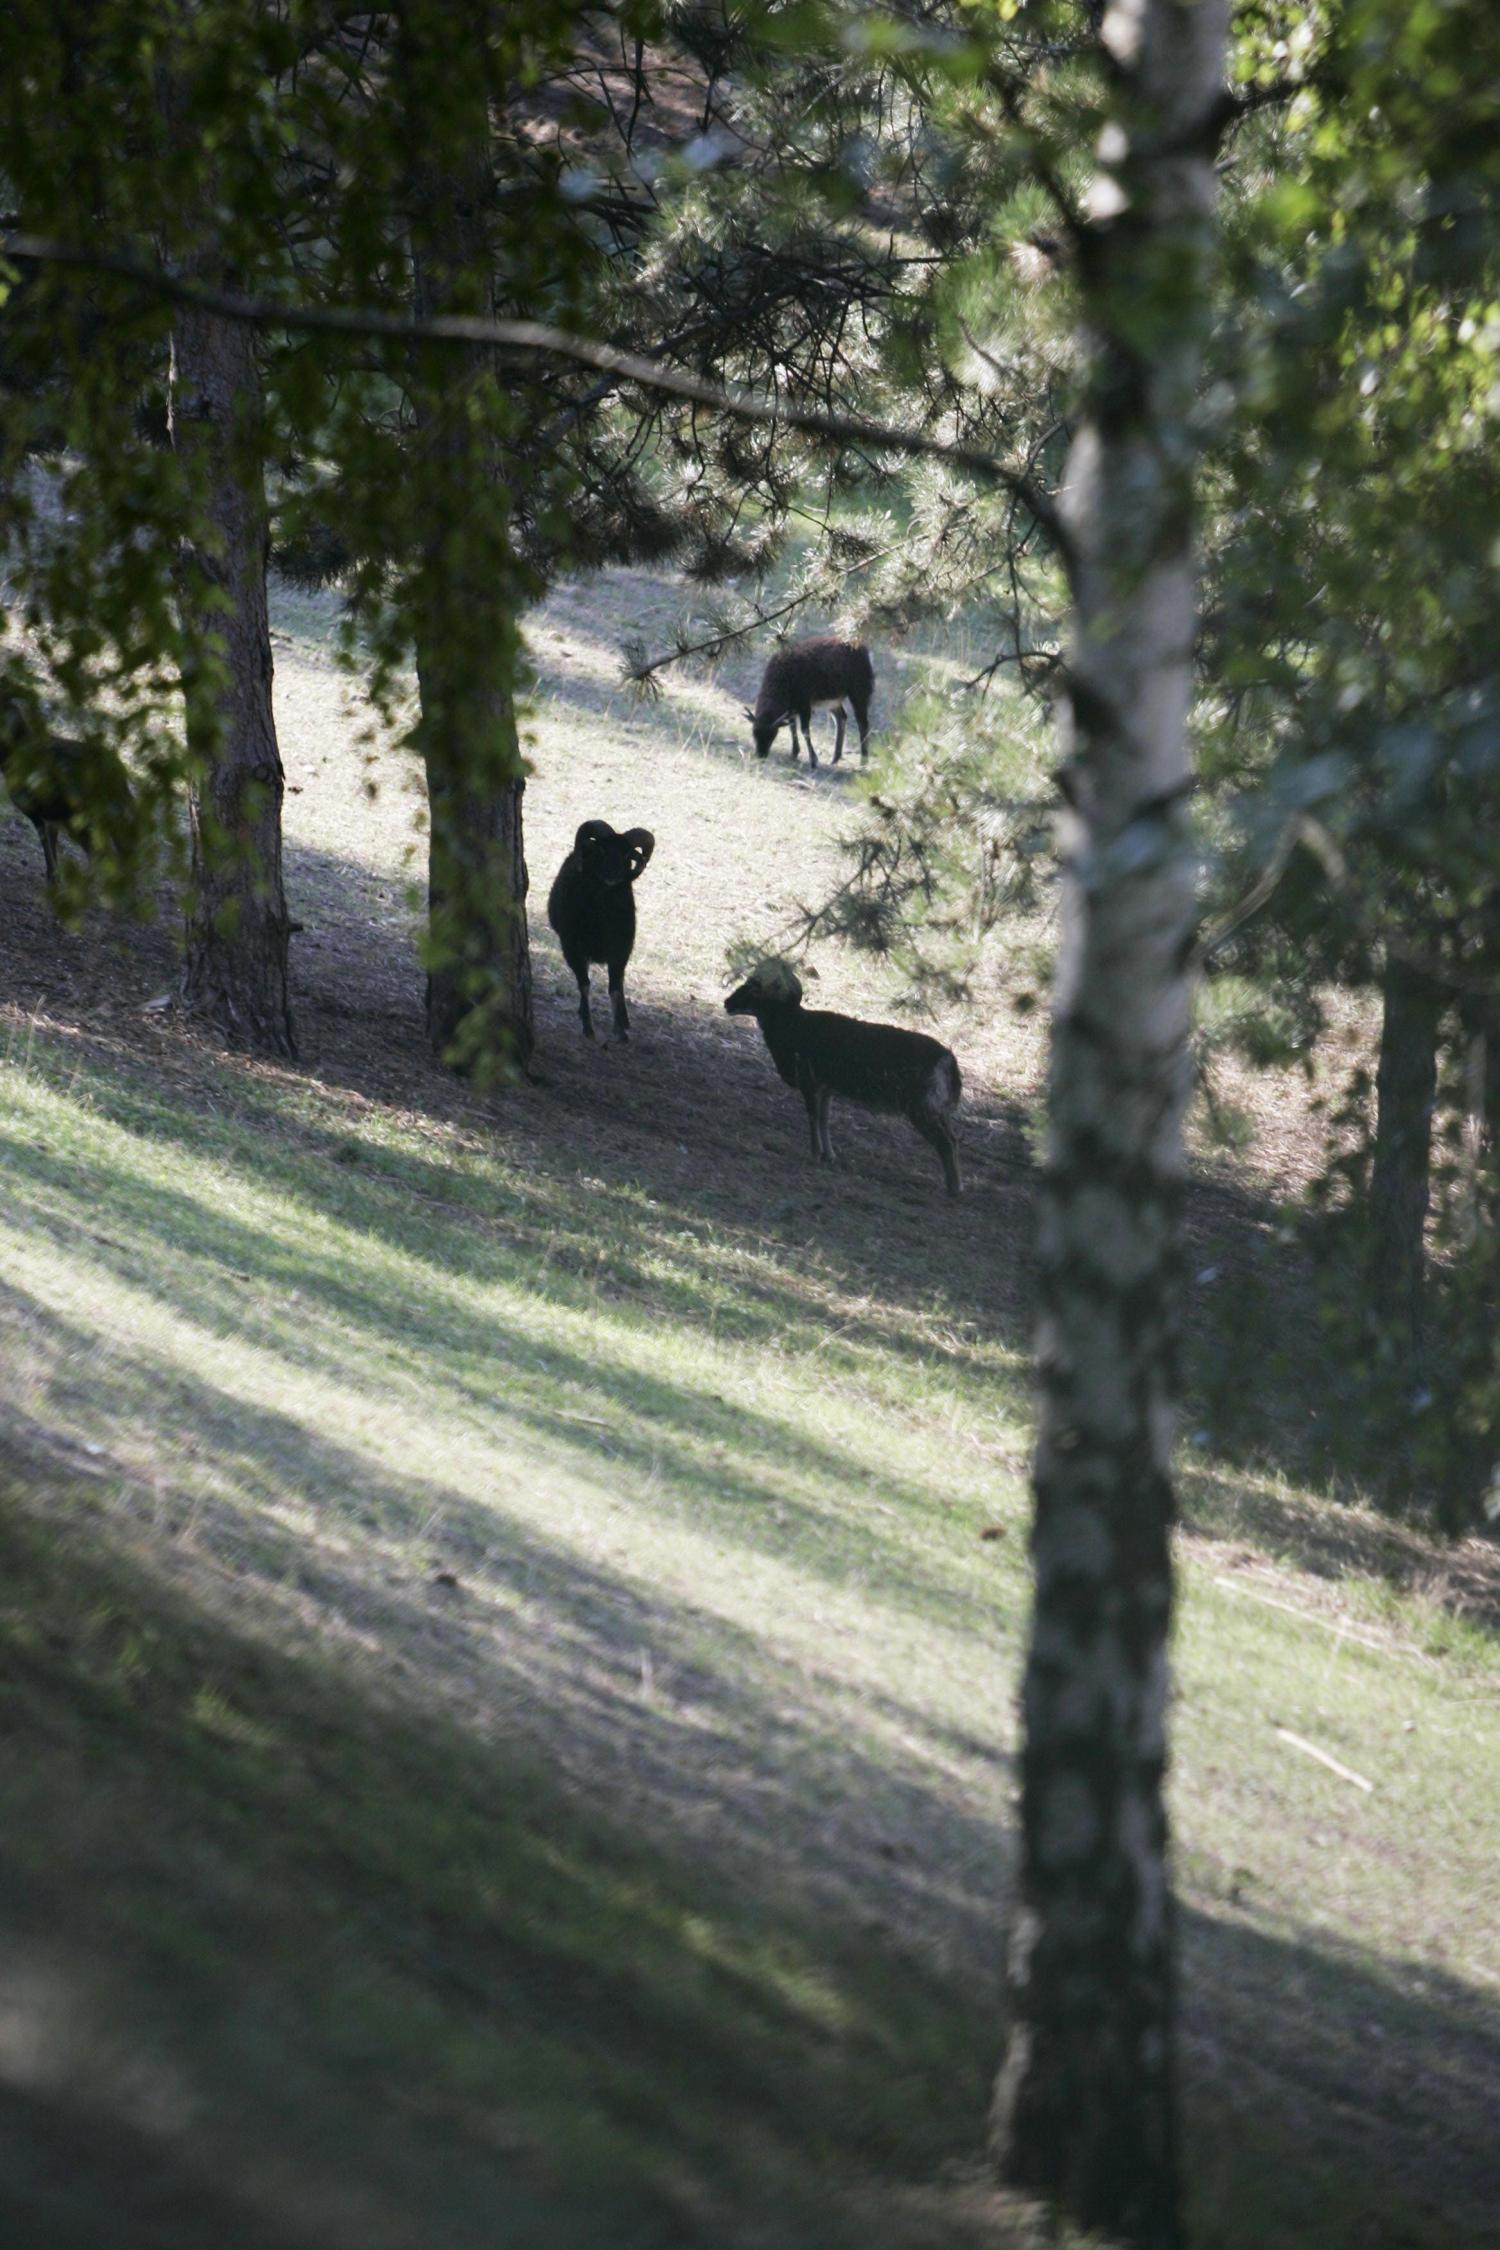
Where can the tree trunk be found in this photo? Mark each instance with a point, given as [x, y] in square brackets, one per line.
[1400, 1184]
[1085, 2112]
[236, 970]
[479, 995]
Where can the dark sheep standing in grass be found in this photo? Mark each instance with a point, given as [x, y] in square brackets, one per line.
[592, 909]
[61, 786]
[811, 675]
[823, 1054]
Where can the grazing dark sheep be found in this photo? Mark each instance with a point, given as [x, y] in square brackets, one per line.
[823, 1054]
[592, 909]
[813, 675]
[61, 786]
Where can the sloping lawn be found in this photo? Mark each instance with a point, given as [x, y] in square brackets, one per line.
[510, 1613]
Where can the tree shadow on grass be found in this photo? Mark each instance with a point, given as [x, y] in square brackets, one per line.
[381, 1978]
[79, 2175]
[1278, 1455]
[399, 1329]
[650, 1699]
[384, 1963]
[692, 1133]
[1332, 2097]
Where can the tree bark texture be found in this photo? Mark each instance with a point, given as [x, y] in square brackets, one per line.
[236, 970]
[1085, 2111]
[1400, 1183]
[479, 985]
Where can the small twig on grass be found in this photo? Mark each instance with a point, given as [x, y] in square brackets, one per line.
[1311, 1750]
[1339, 1625]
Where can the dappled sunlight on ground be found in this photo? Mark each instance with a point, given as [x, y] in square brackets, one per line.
[435, 1411]
[548, 1572]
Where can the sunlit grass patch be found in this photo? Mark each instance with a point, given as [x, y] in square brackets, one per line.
[440, 1375]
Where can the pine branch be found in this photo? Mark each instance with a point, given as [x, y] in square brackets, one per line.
[546, 341]
[640, 670]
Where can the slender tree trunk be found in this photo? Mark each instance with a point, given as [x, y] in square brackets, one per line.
[1085, 2113]
[479, 994]
[479, 990]
[1400, 1184]
[236, 970]
[236, 967]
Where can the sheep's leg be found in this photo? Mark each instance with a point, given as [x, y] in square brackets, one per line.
[862, 721]
[617, 998]
[47, 830]
[810, 1098]
[825, 1142]
[840, 721]
[580, 970]
[938, 1134]
[812, 755]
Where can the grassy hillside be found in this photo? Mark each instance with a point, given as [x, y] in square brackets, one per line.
[511, 1609]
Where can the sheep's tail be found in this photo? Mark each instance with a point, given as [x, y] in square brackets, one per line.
[946, 1085]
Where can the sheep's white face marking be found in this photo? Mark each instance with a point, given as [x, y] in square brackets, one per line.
[776, 980]
[769, 983]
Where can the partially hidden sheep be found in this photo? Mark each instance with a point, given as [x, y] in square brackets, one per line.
[61, 786]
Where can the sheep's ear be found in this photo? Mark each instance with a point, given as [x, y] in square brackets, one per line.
[640, 843]
[807, 970]
[749, 714]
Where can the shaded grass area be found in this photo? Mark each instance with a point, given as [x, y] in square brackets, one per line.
[290, 1962]
[524, 1704]
[515, 1445]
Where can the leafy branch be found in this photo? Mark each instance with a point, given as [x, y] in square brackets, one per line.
[542, 338]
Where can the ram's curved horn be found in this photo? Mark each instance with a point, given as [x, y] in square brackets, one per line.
[640, 843]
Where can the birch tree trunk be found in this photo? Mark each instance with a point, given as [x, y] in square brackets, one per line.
[236, 968]
[1085, 2113]
[479, 987]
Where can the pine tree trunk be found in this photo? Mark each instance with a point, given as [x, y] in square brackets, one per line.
[479, 993]
[237, 939]
[479, 988]
[1085, 2114]
[1400, 1184]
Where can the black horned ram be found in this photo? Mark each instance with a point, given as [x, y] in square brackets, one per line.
[592, 909]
